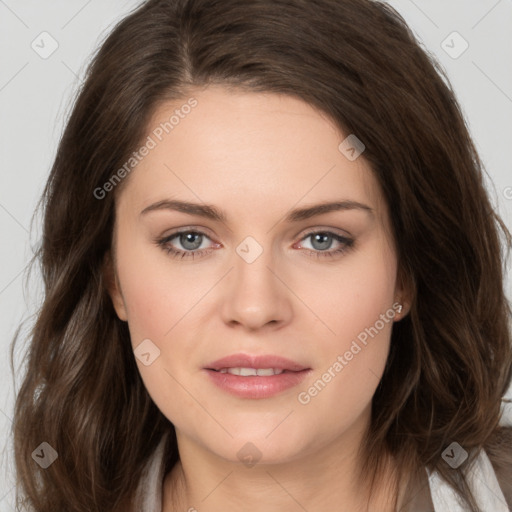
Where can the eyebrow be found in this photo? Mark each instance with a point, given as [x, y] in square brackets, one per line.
[211, 212]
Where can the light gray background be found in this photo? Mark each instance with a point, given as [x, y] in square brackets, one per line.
[36, 93]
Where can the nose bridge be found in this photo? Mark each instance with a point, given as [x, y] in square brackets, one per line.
[256, 296]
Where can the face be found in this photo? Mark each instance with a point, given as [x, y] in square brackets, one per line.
[305, 297]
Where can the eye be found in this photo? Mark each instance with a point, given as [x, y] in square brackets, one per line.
[322, 241]
[192, 240]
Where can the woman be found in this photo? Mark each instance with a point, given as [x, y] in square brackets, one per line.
[273, 275]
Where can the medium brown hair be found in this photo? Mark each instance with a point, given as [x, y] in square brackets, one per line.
[450, 360]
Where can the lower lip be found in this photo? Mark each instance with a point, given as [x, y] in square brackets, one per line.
[256, 387]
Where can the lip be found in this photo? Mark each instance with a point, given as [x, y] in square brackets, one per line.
[254, 361]
[256, 387]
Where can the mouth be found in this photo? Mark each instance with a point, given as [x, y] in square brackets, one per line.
[250, 365]
[247, 376]
[251, 372]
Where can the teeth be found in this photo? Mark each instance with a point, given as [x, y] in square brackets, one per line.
[247, 372]
[265, 372]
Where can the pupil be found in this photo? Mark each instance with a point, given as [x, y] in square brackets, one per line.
[324, 244]
[188, 238]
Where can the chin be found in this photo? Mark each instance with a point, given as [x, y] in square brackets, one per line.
[261, 448]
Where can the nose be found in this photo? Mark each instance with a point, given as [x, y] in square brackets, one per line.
[256, 294]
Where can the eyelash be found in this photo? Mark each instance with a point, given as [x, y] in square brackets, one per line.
[176, 253]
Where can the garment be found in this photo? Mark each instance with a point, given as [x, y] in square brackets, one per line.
[438, 493]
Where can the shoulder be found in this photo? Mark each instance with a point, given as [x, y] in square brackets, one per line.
[488, 487]
[499, 451]
[504, 477]
[148, 496]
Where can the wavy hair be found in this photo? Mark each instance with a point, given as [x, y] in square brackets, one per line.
[450, 361]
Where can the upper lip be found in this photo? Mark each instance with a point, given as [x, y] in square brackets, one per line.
[255, 361]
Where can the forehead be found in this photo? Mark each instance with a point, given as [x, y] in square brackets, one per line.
[247, 151]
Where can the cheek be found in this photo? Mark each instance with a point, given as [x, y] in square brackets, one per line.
[161, 303]
[156, 295]
[358, 309]
[356, 294]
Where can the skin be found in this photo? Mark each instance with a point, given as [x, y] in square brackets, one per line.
[257, 156]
